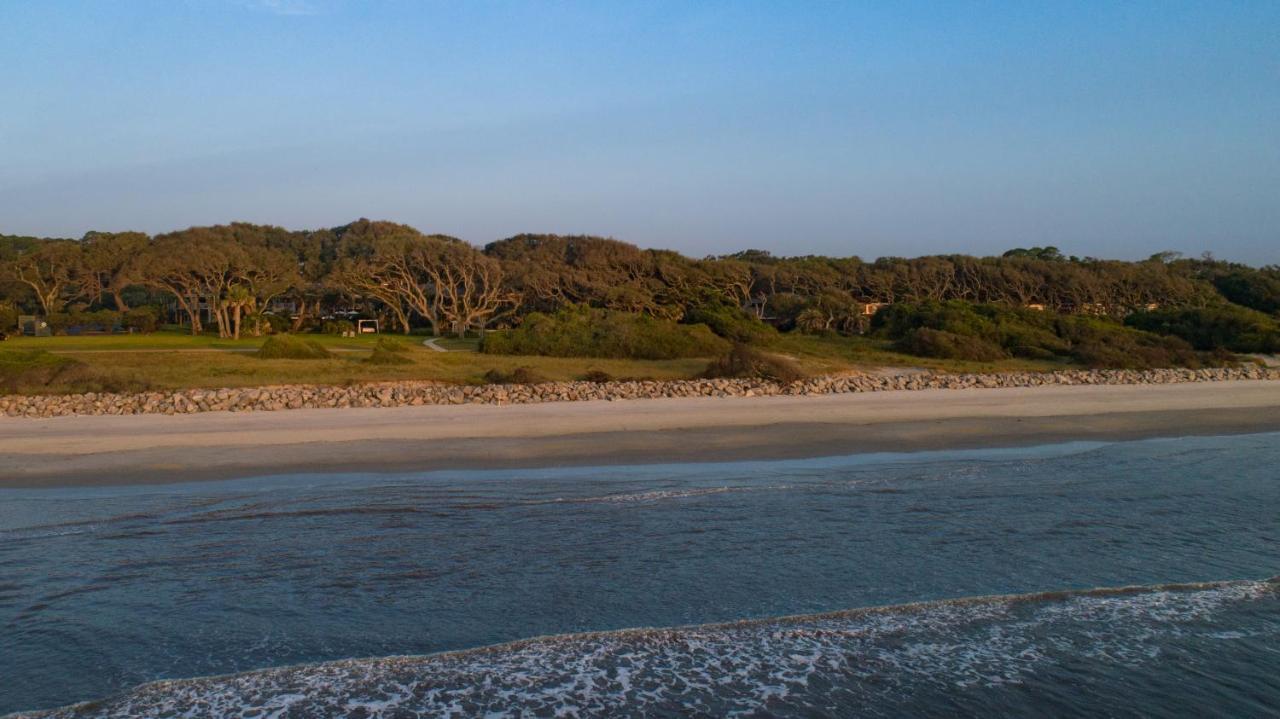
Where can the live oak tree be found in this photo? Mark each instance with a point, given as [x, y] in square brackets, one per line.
[51, 271]
[108, 259]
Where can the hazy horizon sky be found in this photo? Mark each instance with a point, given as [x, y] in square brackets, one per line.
[849, 128]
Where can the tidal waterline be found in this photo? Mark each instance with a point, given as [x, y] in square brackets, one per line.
[105, 589]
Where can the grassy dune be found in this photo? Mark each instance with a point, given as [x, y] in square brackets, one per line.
[169, 360]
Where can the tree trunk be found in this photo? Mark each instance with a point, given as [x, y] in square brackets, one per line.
[302, 316]
[235, 322]
[120, 305]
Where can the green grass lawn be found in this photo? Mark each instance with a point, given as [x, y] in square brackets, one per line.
[171, 360]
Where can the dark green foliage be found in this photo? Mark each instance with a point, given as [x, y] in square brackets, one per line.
[142, 319]
[744, 361]
[1099, 343]
[101, 321]
[961, 331]
[591, 332]
[275, 324]
[290, 347]
[1256, 289]
[1209, 328]
[732, 323]
[8, 317]
[1047, 254]
[337, 327]
[941, 344]
[519, 375]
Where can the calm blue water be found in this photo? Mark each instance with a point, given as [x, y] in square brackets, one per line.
[104, 590]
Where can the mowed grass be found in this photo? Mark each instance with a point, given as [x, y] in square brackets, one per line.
[171, 360]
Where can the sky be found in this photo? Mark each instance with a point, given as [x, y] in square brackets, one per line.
[1111, 129]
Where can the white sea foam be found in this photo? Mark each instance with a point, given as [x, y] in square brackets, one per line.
[810, 664]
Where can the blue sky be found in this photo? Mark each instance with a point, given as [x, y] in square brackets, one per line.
[1114, 129]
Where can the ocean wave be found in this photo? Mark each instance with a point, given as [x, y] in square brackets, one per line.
[871, 659]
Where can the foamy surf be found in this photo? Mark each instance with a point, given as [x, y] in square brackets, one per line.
[873, 661]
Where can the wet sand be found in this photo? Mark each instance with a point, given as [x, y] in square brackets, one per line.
[85, 451]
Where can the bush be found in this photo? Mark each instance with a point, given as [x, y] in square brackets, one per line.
[590, 332]
[732, 323]
[276, 324]
[386, 344]
[1099, 343]
[290, 347]
[142, 319]
[337, 327]
[62, 323]
[1212, 328]
[983, 333]
[8, 317]
[598, 376]
[941, 344]
[743, 361]
[384, 356]
[519, 375]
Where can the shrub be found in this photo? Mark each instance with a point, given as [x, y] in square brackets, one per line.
[61, 323]
[982, 333]
[142, 319]
[926, 342]
[1209, 328]
[337, 327]
[598, 376]
[519, 375]
[8, 317]
[383, 356]
[386, 344]
[732, 323]
[276, 324]
[958, 318]
[591, 332]
[290, 347]
[743, 361]
[1101, 343]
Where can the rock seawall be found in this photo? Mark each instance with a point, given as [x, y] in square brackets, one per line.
[402, 394]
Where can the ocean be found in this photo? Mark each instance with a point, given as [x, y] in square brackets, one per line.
[1124, 579]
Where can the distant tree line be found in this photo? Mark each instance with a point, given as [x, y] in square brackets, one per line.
[240, 278]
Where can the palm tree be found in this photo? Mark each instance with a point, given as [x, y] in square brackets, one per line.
[238, 298]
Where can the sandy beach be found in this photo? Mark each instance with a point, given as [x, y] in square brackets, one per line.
[156, 448]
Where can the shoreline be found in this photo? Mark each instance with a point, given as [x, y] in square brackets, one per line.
[153, 449]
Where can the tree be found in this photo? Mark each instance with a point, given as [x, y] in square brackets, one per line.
[109, 262]
[466, 287]
[375, 262]
[51, 270]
